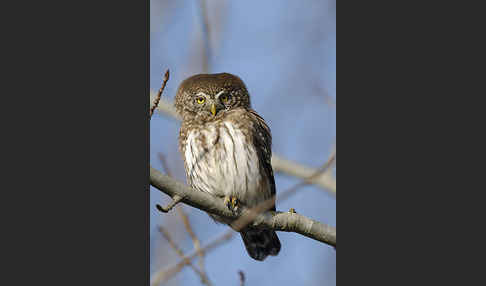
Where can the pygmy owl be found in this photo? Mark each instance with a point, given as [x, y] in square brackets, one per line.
[226, 148]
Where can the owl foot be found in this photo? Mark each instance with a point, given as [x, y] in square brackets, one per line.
[231, 202]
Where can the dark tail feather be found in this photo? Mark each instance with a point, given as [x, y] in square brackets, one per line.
[260, 243]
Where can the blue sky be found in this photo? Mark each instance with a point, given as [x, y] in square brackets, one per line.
[285, 52]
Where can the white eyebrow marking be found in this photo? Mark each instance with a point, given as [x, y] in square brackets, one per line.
[219, 93]
[201, 94]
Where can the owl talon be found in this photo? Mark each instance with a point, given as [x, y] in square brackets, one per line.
[234, 203]
[231, 202]
[227, 202]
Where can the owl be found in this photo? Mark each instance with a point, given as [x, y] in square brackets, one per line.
[226, 147]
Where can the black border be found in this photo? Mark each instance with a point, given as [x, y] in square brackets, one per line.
[147, 92]
[75, 194]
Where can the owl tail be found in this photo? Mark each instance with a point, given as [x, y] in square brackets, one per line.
[260, 243]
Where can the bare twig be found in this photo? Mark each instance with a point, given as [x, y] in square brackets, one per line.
[166, 106]
[324, 180]
[176, 248]
[206, 36]
[159, 94]
[242, 277]
[202, 275]
[175, 200]
[166, 274]
[185, 220]
[195, 240]
[279, 164]
[165, 165]
[311, 177]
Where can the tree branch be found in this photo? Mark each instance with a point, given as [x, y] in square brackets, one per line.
[279, 221]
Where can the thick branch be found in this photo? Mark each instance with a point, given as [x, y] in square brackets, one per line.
[279, 221]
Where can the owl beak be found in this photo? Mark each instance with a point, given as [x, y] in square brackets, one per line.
[213, 109]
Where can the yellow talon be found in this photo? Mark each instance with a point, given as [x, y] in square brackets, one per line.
[234, 202]
[227, 202]
[231, 202]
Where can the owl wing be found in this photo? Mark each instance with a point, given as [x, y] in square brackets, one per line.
[262, 139]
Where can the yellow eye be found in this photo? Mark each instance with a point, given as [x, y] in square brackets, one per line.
[224, 98]
[200, 100]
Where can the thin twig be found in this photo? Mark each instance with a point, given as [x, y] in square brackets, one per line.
[175, 200]
[202, 275]
[159, 94]
[242, 277]
[166, 274]
[195, 240]
[166, 106]
[206, 36]
[165, 165]
[185, 219]
[325, 181]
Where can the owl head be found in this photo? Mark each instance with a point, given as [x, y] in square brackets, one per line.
[207, 97]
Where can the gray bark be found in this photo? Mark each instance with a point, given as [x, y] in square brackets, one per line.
[279, 221]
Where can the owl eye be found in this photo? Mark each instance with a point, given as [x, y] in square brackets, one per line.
[224, 98]
[200, 100]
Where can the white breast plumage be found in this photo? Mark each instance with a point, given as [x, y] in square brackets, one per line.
[228, 166]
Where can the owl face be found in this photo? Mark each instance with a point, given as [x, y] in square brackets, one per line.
[206, 97]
